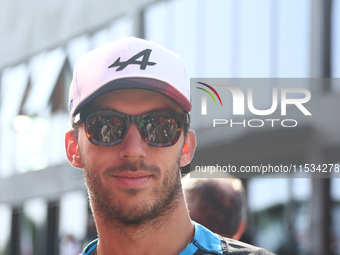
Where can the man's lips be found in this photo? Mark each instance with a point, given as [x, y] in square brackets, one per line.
[132, 179]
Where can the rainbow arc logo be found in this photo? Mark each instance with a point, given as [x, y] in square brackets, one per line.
[208, 92]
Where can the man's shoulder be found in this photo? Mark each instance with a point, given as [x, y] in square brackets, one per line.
[231, 246]
[206, 242]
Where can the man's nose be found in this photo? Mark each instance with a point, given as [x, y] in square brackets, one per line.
[133, 146]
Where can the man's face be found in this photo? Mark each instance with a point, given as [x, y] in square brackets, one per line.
[132, 182]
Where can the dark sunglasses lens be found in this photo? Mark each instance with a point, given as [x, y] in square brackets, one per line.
[161, 131]
[105, 129]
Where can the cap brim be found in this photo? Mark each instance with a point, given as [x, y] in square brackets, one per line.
[139, 83]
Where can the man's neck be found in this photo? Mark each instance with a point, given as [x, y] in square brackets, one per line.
[168, 235]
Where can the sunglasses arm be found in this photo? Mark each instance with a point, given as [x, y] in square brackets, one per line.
[76, 118]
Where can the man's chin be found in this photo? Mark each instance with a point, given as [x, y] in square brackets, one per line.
[139, 209]
[133, 193]
[133, 213]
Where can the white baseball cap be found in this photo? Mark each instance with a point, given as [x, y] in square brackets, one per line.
[128, 63]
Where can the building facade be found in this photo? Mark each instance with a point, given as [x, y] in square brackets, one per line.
[43, 200]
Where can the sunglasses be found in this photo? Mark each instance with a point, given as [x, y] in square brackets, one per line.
[159, 129]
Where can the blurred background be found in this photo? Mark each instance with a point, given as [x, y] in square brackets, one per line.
[43, 201]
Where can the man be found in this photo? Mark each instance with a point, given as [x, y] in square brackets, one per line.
[217, 203]
[134, 183]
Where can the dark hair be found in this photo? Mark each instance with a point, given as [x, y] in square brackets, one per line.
[217, 204]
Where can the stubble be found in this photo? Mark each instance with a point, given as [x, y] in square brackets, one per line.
[108, 207]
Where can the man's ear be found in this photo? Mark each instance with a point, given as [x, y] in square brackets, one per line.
[239, 233]
[188, 148]
[72, 149]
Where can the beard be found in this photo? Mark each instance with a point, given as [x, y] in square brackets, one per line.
[110, 207]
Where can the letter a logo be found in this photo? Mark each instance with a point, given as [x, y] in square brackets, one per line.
[133, 61]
